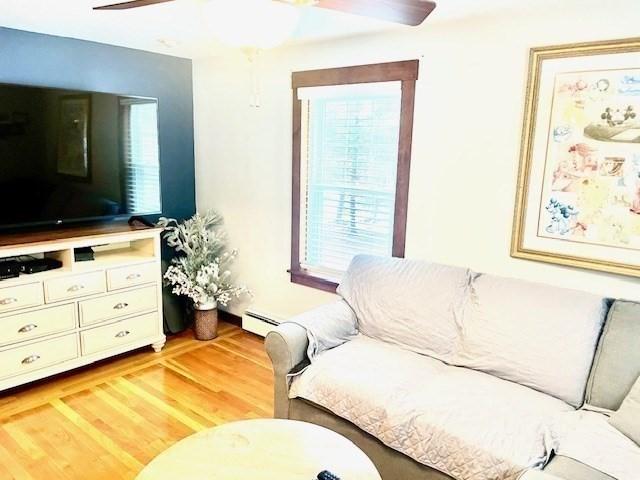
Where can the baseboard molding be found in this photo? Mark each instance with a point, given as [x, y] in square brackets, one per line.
[249, 324]
[260, 323]
[230, 318]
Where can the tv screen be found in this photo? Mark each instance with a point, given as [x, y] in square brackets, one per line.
[69, 156]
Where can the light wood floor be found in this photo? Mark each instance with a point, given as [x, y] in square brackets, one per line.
[107, 422]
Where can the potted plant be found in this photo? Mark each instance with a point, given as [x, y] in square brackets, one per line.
[200, 270]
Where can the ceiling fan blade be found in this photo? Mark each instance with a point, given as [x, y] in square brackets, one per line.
[131, 4]
[408, 12]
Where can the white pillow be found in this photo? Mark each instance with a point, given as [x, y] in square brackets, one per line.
[627, 418]
[413, 304]
[537, 335]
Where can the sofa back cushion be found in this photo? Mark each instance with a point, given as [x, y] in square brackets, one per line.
[627, 418]
[537, 335]
[413, 304]
[617, 363]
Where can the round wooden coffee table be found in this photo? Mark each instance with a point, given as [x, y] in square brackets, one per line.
[261, 450]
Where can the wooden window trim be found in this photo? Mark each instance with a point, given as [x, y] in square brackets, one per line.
[405, 72]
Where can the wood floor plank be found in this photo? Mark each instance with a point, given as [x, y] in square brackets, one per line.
[250, 382]
[136, 427]
[75, 452]
[123, 385]
[11, 469]
[97, 435]
[20, 460]
[222, 402]
[248, 347]
[190, 395]
[46, 444]
[109, 420]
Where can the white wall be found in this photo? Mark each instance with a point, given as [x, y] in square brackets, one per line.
[469, 105]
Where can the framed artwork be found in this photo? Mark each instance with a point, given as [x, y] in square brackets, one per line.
[74, 131]
[578, 197]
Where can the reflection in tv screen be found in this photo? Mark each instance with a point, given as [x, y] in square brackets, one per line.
[72, 155]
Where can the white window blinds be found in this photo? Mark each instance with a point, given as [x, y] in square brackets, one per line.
[350, 136]
[141, 155]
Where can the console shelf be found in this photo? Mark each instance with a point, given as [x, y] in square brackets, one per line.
[85, 311]
[113, 258]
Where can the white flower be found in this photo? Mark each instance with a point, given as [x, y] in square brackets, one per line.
[200, 271]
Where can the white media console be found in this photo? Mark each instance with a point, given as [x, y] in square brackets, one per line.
[62, 319]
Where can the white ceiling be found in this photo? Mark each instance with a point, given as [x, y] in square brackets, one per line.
[179, 28]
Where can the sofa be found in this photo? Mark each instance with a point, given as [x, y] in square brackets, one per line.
[439, 372]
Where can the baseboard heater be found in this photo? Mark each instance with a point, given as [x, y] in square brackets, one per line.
[259, 323]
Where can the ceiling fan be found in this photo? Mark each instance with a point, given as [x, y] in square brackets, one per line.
[407, 12]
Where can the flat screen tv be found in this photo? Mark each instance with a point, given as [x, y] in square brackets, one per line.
[69, 156]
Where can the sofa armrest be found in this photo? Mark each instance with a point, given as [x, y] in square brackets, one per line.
[301, 339]
[287, 347]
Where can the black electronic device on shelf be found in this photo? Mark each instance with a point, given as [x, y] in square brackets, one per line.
[37, 265]
[13, 267]
[84, 254]
[9, 268]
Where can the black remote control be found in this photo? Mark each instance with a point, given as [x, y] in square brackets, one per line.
[327, 475]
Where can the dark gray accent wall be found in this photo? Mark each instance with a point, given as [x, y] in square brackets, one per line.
[46, 60]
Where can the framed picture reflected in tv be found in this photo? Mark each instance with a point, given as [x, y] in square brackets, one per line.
[69, 156]
[74, 139]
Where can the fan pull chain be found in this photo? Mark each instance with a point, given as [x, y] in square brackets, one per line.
[252, 55]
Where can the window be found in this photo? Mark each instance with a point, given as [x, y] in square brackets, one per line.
[139, 123]
[351, 154]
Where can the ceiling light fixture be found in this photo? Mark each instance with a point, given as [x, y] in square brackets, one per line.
[252, 24]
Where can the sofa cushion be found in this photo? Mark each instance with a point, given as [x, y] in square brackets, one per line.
[617, 362]
[465, 423]
[537, 335]
[627, 418]
[413, 304]
[565, 467]
[587, 437]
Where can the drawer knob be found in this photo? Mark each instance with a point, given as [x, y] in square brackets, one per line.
[75, 288]
[28, 328]
[8, 301]
[133, 276]
[30, 359]
[121, 306]
[122, 334]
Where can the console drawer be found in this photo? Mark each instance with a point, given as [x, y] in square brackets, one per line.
[21, 296]
[118, 305]
[38, 355]
[117, 334]
[30, 325]
[133, 275]
[74, 286]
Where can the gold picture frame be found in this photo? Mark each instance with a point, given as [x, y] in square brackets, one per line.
[565, 240]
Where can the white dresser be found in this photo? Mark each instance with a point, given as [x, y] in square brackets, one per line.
[61, 319]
